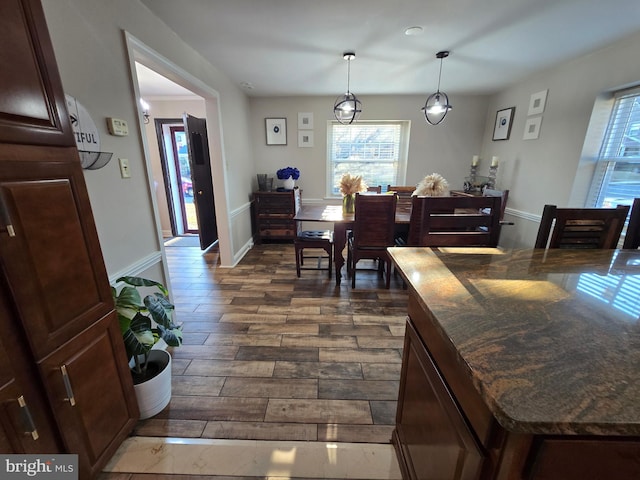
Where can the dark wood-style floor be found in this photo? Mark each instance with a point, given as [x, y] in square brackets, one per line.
[269, 356]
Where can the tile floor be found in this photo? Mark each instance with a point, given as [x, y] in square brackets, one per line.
[268, 356]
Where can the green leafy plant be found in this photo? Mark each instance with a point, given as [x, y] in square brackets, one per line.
[144, 321]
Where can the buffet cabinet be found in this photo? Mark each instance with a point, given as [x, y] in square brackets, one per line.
[65, 386]
[444, 429]
[273, 215]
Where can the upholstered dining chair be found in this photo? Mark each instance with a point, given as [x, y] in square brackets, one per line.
[581, 227]
[316, 240]
[632, 236]
[372, 233]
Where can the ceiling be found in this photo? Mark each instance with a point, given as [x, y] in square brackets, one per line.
[295, 47]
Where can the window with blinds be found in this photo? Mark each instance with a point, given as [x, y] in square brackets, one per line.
[375, 150]
[617, 177]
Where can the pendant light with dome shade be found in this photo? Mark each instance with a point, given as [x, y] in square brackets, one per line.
[347, 108]
[437, 105]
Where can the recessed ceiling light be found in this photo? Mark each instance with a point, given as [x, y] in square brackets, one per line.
[413, 30]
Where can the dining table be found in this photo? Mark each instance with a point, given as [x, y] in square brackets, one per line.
[342, 223]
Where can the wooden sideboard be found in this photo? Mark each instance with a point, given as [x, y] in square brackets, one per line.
[273, 215]
[544, 390]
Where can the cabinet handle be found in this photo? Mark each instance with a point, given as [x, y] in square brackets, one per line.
[67, 385]
[6, 219]
[28, 419]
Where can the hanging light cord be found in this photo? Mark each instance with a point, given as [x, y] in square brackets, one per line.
[348, 75]
[440, 74]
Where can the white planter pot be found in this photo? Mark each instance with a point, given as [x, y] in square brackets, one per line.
[155, 394]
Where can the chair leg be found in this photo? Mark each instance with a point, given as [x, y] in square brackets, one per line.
[330, 253]
[353, 272]
[299, 254]
[388, 265]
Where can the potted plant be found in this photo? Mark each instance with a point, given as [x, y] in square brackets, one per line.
[144, 322]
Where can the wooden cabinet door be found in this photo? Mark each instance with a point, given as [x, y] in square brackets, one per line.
[26, 425]
[435, 440]
[91, 393]
[32, 108]
[52, 258]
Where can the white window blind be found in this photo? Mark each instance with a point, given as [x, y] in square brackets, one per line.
[376, 151]
[617, 177]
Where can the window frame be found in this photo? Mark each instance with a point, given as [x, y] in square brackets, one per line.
[402, 157]
[611, 146]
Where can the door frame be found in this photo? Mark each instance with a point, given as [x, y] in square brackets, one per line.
[160, 124]
[139, 52]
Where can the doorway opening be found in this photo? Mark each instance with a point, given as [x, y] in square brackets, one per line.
[176, 170]
[207, 102]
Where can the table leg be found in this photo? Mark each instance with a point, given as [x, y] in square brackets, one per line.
[339, 242]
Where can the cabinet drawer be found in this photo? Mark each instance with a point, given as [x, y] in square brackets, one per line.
[275, 227]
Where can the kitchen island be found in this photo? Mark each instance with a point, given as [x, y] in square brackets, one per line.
[520, 364]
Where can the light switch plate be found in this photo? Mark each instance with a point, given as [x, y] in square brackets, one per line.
[124, 168]
[117, 127]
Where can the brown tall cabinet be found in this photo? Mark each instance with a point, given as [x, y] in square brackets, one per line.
[65, 386]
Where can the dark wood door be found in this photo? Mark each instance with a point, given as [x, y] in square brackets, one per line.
[198, 144]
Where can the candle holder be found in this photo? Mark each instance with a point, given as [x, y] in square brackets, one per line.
[472, 173]
[493, 172]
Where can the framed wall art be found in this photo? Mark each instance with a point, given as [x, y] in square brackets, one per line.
[537, 102]
[305, 138]
[504, 120]
[276, 130]
[305, 120]
[532, 128]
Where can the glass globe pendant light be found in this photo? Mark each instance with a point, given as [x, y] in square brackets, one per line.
[437, 105]
[347, 108]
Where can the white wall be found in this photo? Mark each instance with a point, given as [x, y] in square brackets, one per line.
[556, 168]
[445, 149]
[88, 40]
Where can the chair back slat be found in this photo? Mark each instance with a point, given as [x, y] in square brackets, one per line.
[632, 237]
[458, 221]
[581, 227]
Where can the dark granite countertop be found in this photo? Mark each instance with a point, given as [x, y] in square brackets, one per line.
[551, 339]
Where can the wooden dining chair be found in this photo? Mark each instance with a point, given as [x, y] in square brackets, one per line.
[373, 230]
[581, 227]
[632, 236]
[458, 221]
[402, 190]
[504, 194]
[377, 189]
[314, 240]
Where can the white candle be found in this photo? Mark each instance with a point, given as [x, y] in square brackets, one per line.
[494, 161]
[475, 160]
